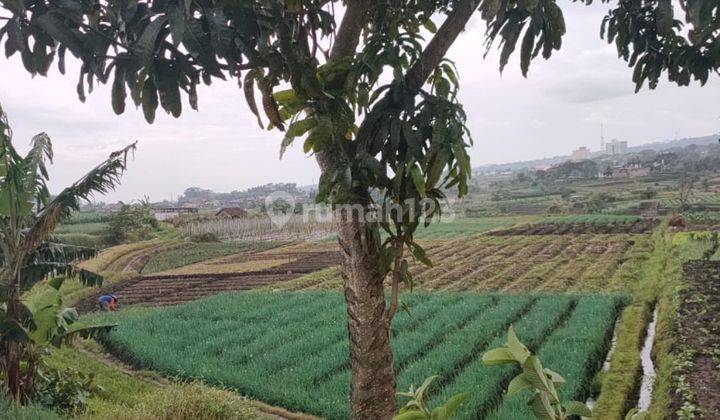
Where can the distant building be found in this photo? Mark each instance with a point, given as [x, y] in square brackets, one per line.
[231, 213]
[616, 147]
[164, 213]
[630, 172]
[583, 153]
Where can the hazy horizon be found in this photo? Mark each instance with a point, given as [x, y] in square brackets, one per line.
[558, 108]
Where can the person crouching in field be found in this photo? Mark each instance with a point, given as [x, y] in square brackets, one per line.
[108, 303]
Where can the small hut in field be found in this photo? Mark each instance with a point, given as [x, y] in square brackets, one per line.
[231, 213]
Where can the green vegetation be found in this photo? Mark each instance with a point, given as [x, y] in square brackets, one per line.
[193, 252]
[653, 282]
[10, 411]
[93, 228]
[134, 222]
[142, 394]
[600, 219]
[703, 218]
[83, 217]
[306, 342]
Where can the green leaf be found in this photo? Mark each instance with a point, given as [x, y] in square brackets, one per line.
[542, 408]
[411, 415]
[516, 348]
[296, 129]
[498, 357]
[555, 377]
[418, 180]
[518, 384]
[147, 43]
[447, 410]
[285, 97]
[576, 408]
[532, 368]
[118, 89]
[430, 26]
[169, 89]
[56, 282]
[419, 254]
[54, 27]
[149, 100]
[176, 19]
[664, 17]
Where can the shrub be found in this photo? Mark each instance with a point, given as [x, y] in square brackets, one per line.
[66, 391]
[132, 223]
[204, 237]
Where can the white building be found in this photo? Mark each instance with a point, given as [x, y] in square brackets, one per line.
[616, 147]
[582, 153]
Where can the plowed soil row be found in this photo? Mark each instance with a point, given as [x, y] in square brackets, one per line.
[176, 289]
[641, 226]
[532, 263]
[699, 327]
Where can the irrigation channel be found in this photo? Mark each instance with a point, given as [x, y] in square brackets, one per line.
[648, 379]
[591, 401]
[648, 367]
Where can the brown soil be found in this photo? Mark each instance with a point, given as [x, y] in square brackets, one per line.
[699, 328]
[175, 289]
[641, 226]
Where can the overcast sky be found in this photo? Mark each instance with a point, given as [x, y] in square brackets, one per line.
[559, 107]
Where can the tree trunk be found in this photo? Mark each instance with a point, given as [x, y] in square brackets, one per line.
[13, 353]
[372, 388]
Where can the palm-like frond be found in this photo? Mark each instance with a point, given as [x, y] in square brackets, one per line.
[101, 179]
[36, 174]
[14, 199]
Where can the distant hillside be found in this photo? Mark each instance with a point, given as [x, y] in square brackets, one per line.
[546, 162]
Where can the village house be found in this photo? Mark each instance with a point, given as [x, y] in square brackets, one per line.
[231, 213]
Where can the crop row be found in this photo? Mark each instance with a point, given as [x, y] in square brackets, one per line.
[255, 341]
[531, 263]
[592, 218]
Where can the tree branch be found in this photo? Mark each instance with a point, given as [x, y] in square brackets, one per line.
[348, 36]
[439, 45]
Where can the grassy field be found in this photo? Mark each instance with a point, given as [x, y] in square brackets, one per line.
[252, 342]
[191, 253]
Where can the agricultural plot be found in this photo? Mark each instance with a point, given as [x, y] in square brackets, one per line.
[627, 224]
[457, 228]
[551, 263]
[697, 387]
[236, 272]
[191, 253]
[290, 349]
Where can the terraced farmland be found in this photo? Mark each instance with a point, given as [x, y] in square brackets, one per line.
[254, 342]
[560, 226]
[532, 263]
[235, 272]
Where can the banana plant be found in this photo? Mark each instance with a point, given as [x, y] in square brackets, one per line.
[541, 381]
[415, 408]
[28, 216]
